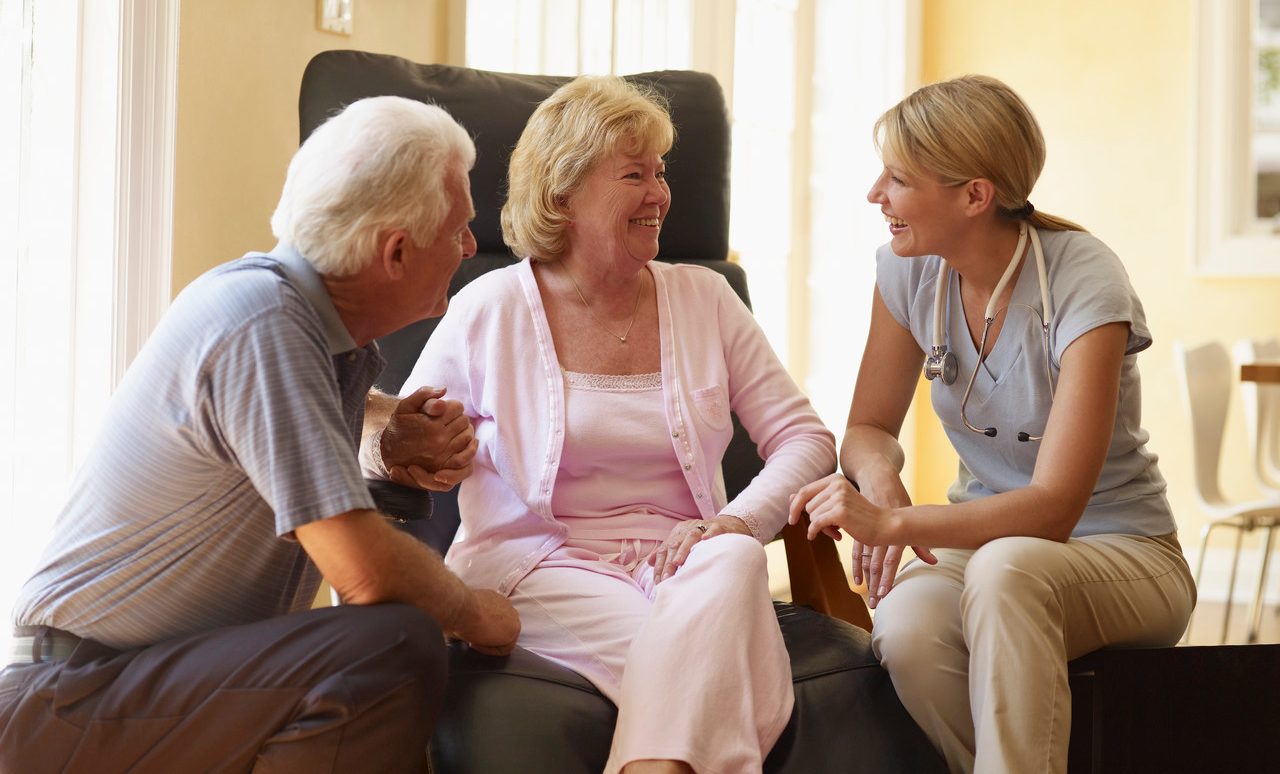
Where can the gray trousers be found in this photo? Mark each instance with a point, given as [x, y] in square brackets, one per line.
[354, 688]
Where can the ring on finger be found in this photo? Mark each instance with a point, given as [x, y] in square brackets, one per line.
[702, 528]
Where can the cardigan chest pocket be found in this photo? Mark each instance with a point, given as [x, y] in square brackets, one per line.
[712, 404]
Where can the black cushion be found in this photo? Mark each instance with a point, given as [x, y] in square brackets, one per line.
[847, 717]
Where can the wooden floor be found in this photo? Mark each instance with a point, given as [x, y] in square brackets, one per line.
[1206, 625]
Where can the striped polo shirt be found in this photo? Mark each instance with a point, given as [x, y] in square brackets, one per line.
[238, 422]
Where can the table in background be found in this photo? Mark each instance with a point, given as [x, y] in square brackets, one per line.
[1263, 373]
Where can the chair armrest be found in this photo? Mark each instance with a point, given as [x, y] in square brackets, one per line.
[398, 501]
[818, 578]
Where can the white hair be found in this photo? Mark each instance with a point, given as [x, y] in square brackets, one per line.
[379, 165]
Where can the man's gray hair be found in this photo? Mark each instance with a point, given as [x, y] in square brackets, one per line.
[378, 166]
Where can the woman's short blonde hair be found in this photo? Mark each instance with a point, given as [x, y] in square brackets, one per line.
[582, 123]
[970, 127]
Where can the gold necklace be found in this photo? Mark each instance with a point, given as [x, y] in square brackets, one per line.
[634, 312]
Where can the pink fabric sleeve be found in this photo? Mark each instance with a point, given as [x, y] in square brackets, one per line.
[796, 446]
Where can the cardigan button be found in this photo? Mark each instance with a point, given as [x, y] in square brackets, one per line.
[687, 466]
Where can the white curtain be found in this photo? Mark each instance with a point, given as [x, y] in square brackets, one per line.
[86, 156]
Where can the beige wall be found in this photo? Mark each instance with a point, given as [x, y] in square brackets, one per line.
[1112, 85]
[239, 66]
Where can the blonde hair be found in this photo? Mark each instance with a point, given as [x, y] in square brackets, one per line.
[379, 165]
[584, 121]
[970, 127]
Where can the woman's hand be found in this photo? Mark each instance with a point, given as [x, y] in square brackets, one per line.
[670, 554]
[878, 565]
[833, 503]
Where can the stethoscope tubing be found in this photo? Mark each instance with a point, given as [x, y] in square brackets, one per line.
[941, 362]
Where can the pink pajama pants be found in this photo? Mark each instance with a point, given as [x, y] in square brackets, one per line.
[696, 664]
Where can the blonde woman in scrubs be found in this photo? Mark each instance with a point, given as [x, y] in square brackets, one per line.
[1057, 538]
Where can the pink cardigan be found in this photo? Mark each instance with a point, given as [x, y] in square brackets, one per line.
[493, 352]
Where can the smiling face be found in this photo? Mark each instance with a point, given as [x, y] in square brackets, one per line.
[618, 212]
[924, 216]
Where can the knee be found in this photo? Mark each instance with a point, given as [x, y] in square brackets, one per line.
[1007, 574]
[733, 554]
[405, 639]
[905, 638]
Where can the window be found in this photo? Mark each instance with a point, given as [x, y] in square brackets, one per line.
[86, 161]
[1237, 226]
[1266, 117]
[575, 37]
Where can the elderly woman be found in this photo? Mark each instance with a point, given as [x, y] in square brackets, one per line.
[600, 384]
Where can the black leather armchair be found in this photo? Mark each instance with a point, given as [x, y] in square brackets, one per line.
[522, 713]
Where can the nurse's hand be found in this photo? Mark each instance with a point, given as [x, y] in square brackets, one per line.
[878, 565]
[670, 554]
[834, 503]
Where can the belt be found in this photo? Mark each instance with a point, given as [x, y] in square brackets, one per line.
[41, 645]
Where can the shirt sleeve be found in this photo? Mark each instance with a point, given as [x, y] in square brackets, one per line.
[269, 403]
[893, 280]
[796, 447]
[1090, 289]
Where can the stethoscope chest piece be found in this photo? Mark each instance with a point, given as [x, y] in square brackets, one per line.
[942, 364]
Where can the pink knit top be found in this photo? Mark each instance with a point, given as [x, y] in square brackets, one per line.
[619, 476]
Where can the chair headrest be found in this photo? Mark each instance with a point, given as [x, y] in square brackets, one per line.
[494, 108]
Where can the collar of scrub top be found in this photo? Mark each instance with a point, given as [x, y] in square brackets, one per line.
[942, 361]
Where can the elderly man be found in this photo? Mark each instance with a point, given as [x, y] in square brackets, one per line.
[167, 625]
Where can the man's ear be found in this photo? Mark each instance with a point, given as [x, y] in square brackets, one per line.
[391, 254]
[980, 196]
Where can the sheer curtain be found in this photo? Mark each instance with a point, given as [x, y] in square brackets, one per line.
[85, 192]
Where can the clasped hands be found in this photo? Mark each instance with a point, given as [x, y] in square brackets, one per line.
[428, 443]
[833, 504]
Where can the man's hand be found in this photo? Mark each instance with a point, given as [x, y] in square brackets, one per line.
[487, 622]
[428, 442]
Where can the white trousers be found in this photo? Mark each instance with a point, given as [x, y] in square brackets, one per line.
[978, 644]
[696, 664]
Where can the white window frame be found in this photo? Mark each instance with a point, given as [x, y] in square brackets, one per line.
[1227, 239]
[118, 216]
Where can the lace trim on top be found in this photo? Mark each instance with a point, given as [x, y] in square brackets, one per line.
[613, 382]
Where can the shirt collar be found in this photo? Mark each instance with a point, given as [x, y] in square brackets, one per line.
[308, 282]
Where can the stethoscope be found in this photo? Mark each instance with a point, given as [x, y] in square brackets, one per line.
[942, 363]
